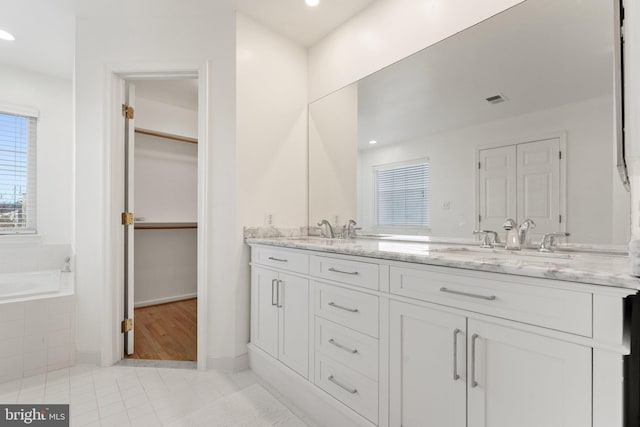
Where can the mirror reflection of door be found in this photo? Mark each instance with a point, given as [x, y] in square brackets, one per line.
[521, 181]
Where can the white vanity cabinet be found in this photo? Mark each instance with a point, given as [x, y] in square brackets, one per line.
[401, 344]
[280, 316]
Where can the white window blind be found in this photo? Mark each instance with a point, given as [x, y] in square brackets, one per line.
[402, 195]
[17, 174]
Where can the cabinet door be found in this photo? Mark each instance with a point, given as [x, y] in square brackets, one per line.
[521, 379]
[293, 302]
[427, 367]
[264, 310]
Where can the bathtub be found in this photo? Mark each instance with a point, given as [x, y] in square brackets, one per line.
[21, 285]
[37, 311]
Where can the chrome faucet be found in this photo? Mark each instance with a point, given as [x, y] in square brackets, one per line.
[548, 241]
[523, 229]
[517, 236]
[489, 238]
[349, 229]
[67, 265]
[330, 234]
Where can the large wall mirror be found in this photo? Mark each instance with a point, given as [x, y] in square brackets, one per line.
[512, 118]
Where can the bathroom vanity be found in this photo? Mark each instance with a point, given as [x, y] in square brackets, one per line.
[389, 333]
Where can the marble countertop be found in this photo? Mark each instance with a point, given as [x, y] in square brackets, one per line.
[607, 269]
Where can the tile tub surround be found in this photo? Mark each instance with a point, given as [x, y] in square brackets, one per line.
[36, 336]
[148, 396]
[591, 268]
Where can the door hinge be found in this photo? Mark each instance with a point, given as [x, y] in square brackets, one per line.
[560, 155]
[479, 165]
[127, 218]
[128, 111]
[126, 325]
[560, 219]
[479, 218]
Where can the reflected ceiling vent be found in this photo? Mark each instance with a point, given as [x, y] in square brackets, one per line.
[497, 99]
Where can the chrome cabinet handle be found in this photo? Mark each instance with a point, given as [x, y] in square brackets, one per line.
[352, 310]
[340, 346]
[467, 294]
[342, 386]
[335, 270]
[456, 376]
[273, 284]
[474, 383]
[278, 259]
[280, 282]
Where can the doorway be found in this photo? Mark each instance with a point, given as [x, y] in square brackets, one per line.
[161, 224]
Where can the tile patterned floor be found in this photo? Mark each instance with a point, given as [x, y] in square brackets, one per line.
[152, 396]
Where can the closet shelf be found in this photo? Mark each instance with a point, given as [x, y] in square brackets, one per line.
[167, 135]
[166, 225]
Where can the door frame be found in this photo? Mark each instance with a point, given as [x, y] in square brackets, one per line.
[561, 135]
[112, 342]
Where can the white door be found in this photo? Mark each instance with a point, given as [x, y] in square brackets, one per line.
[538, 170]
[497, 187]
[264, 306]
[521, 379]
[129, 145]
[427, 367]
[293, 320]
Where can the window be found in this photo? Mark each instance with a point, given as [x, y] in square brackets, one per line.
[402, 195]
[17, 173]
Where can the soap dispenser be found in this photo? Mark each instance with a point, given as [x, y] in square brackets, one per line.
[512, 241]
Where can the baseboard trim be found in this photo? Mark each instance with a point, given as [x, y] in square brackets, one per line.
[229, 364]
[320, 407]
[87, 358]
[165, 300]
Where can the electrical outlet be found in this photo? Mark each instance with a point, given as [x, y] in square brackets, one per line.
[268, 218]
[446, 205]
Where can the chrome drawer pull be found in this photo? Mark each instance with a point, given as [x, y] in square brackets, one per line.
[277, 259]
[335, 270]
[337, 344]
[273, 285]
[456, 376]
[474, 383]
[467, 294]
[352, 310]
[342, 386]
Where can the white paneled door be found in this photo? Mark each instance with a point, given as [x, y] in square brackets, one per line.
[427, 367]
[521, 182]
[522, 379]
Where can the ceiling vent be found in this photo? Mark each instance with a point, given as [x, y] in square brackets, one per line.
[497, 99]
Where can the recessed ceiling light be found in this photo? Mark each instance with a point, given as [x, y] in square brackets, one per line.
[312, 3]
[5, 35]
[373, 142]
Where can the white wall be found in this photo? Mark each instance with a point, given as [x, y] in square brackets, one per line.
[271, 119]
[52, 97]
[166, 118]
[597, 204]
[386, 32]
[333, 152]
[142, 41]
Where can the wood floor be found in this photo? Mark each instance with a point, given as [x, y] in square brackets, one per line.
[166, 331]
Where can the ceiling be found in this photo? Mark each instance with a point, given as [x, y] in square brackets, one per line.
[44, 29]
[539, 54]
[299, 22]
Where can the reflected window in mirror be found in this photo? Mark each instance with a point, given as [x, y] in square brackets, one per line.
[17, 173]
[401, 197]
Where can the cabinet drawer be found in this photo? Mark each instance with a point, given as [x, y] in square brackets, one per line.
[353, 309]
[356, 273]
[351, 388]
[498, 295]
[280, 258]
[353, 349]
